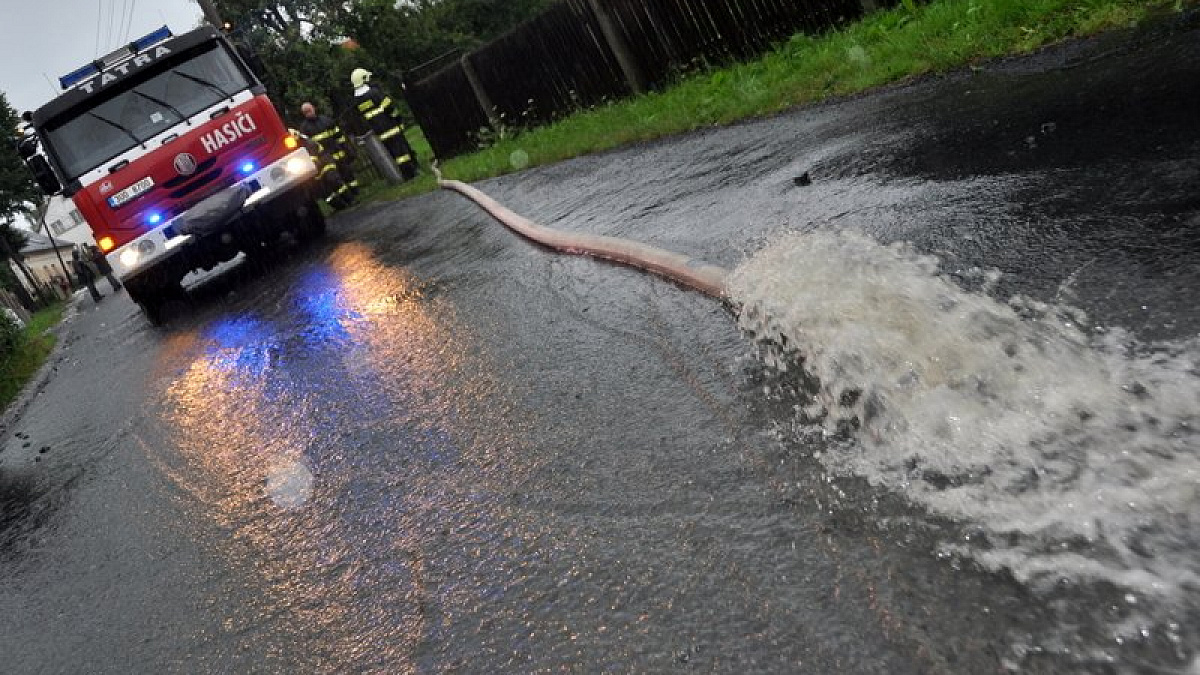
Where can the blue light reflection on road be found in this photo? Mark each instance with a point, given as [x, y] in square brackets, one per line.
[355, 381]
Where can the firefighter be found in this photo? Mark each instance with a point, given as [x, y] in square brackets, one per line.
[334, 151]
[383, 118]
[103, 268]
[330, 137]
[85, 272]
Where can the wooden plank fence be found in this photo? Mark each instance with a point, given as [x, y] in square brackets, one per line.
[580, 53]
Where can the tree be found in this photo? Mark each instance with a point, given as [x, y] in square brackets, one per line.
[19, 196]
[299, 51]
[18, 193]
[484, 20]
[12, 240]
[298, 40]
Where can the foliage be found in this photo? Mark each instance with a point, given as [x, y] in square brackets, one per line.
[309, 47]
[14, 238]
[301, 62]
[18, 192]
[10, 333]
[30, 351]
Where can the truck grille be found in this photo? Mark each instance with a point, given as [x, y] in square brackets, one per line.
[200, 169]
[196, 184]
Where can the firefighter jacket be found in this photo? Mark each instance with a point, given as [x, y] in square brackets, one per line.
[380, 112]
[383, 118]
[327, 135]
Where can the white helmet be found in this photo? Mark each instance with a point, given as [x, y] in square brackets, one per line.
[360, 76]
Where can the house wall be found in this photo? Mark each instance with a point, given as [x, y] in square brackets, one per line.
[65, 223]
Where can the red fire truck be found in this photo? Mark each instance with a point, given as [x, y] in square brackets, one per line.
[171, 149]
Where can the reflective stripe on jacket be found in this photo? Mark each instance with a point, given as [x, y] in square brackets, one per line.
[380, 111]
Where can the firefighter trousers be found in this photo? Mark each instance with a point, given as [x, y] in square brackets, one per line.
[397, 146]
[338, 194]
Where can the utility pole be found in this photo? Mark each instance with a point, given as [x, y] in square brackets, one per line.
[44, 209]
[57, 253]
[210, 13]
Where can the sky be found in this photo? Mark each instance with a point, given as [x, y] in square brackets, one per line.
[41, 40]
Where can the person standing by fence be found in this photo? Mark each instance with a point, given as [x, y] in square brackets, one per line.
[85, 273]
[383, 118]
[102, 267]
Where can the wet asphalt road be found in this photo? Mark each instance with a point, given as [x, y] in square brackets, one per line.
[424, 445]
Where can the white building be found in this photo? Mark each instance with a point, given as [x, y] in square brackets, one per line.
[45, 261]
[65, 223]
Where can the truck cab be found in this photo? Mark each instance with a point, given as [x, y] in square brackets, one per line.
[175, 155]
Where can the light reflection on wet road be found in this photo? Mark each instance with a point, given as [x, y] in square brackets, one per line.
[365, 385]
[428, 446]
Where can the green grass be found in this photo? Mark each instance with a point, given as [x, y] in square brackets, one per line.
[35, 344]
[885, 47]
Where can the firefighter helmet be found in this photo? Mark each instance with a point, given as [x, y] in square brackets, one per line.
[360, 76]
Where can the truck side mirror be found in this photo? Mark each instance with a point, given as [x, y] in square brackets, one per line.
[43, 175]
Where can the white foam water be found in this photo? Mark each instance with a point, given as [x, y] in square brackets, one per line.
[1074, 451]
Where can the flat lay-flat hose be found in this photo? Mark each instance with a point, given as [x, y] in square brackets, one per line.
[689, 272]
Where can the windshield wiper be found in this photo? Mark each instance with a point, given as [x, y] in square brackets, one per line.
[117, 126]
[153, 99]
[204, 83]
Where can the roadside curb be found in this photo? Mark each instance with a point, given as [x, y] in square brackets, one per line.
[42, 377]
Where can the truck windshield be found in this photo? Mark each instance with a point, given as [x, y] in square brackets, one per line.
[141, 109]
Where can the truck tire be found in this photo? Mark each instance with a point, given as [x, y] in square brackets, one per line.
[149, 301]
[152, 299]
[314, 221]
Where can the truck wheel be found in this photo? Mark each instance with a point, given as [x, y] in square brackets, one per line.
[148, 301]
[314, 221]
[153, 299]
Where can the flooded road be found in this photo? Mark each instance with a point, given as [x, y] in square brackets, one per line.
[948, 426]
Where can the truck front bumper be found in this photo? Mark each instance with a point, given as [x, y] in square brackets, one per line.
[264, 185]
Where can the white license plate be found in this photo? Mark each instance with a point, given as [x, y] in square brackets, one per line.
[130, 192]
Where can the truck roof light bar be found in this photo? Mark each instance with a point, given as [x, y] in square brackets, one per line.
[95, 67]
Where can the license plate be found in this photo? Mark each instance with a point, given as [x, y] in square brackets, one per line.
[130, 192]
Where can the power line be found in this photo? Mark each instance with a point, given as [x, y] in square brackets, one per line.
[120, 16]
[111, 13]
[99, 16]
[121, 22]
[129, 24]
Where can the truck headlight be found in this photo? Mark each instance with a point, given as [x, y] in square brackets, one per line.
[129, 257]
[297, 165]
[132, 254]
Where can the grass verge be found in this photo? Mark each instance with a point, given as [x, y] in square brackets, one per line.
[34, 346]
[885, 47]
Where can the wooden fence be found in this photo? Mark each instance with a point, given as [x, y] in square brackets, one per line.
[580, 53]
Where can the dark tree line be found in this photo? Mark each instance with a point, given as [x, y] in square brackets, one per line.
[19, 195]
[309, 47]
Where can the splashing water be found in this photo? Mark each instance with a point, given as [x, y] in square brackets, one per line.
[1075, 454]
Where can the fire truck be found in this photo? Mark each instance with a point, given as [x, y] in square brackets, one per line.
[171, 149]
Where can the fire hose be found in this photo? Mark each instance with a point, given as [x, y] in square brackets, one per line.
[689, 272]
